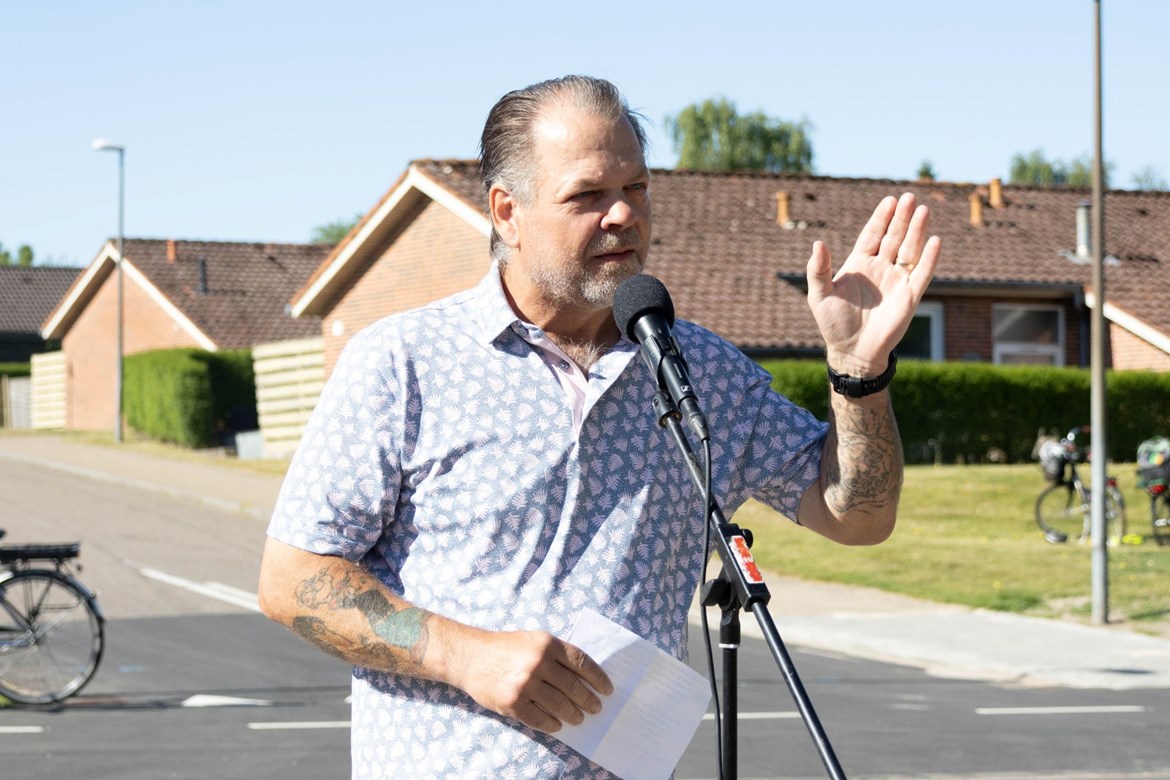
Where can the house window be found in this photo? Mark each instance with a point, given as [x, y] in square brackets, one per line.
[1027, 333]
[924, 337]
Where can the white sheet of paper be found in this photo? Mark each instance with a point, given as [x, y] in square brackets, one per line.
[646, 724]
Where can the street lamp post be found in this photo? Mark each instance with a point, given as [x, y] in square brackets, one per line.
[1099, 556]
[106, 145]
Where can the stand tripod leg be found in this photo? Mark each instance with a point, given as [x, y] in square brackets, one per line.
[729, 635]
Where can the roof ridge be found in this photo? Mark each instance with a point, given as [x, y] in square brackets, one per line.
[218, 242]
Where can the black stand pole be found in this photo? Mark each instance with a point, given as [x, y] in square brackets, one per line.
[740, 584]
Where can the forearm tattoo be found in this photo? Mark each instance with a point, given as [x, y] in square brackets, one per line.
[393, 638]
[863, 459]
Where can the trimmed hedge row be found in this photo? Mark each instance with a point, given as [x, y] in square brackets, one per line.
[189, 396]
[976, 412]
[15, 369]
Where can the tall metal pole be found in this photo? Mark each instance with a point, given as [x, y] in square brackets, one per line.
[121, 240]
[1100, 560]
[105, 145]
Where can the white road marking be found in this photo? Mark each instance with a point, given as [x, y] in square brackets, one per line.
[304, 724]
[207, 700]
[213, 590]
[22, 729]
[759, 715]
[1091, 710]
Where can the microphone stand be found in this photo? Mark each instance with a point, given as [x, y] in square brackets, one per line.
[740, 584]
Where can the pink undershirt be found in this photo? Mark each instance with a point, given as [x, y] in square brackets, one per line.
[573, 381]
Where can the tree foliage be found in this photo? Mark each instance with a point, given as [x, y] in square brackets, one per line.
[926, 171]
[24, 256]
[713, 136]
[1149, 178]
[332, 232]
[1034, 168]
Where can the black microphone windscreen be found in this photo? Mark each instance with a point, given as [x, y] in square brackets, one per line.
[637, 296]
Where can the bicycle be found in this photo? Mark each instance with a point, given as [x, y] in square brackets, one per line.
[1153, 476]
[52, 632]
[1064, 508]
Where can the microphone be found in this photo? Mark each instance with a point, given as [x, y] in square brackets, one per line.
[644, 312]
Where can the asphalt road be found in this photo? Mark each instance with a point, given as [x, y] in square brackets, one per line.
[196, 684]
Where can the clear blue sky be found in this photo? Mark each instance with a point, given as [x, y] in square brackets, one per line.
[261, 120]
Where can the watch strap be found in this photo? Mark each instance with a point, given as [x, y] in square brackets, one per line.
[859, 387]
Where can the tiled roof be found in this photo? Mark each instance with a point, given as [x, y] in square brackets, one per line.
[27, 295]
[247, 286]
[731, 267]
[234, 293]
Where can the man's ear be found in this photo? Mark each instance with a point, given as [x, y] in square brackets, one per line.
[503, 208]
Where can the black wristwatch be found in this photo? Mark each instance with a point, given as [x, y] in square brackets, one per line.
[859, 387]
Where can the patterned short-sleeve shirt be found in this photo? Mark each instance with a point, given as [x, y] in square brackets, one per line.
[443, 457]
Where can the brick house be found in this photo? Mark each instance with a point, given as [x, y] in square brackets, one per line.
[1014, 284]
[27, 295]
[204, 294]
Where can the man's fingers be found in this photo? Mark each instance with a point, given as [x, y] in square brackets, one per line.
[533, 715]
[585, 668]
[911, 249]
[870, 239]
[819, 271]
[898, 229]
[920, 278]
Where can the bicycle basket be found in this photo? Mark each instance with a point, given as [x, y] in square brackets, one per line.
[1153, 461]
[1053, 460]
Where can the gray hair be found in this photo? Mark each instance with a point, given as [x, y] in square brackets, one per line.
[505, 147]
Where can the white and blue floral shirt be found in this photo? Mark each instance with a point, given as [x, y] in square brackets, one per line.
[443, 456]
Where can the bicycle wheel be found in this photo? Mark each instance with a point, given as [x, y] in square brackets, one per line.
[51, 637]
[1060, 513]
[1115, 521]
[1160, 517]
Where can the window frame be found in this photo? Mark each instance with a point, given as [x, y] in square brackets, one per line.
[934, 312]
[1002, 349]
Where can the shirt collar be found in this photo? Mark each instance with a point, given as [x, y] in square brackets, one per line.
[491, 309]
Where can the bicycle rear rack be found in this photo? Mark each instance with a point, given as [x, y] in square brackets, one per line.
[12, 553]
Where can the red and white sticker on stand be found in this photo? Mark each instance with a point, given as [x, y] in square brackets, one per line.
[743, 554]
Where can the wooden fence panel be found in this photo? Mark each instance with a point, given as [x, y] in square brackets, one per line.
[289, 379]
[48, 390]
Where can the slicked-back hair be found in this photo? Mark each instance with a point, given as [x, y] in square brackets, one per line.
[506, 145]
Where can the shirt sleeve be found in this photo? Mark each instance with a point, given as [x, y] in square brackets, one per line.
[763, 446]
[343, 480]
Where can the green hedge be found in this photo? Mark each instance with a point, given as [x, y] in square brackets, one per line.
[976, 412]
[189, 396]
[15, 369]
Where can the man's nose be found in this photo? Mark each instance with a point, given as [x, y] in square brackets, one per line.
[622, 214]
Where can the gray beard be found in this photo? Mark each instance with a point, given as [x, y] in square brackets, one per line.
[577, 286]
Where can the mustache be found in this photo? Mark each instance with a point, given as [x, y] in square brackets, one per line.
[613, 241]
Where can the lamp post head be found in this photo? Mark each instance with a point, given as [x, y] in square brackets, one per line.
[106, 145]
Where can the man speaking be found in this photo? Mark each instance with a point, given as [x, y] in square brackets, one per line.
[480, 470]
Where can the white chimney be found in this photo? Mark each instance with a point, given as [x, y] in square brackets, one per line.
[1084, 229]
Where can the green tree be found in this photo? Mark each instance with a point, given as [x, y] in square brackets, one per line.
[24, 256]
[1148, 178]
[713, 136]
[332, 232]
[1034, 168]
[926, 171]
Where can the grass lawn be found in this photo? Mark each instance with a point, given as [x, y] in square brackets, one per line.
[966, 535]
